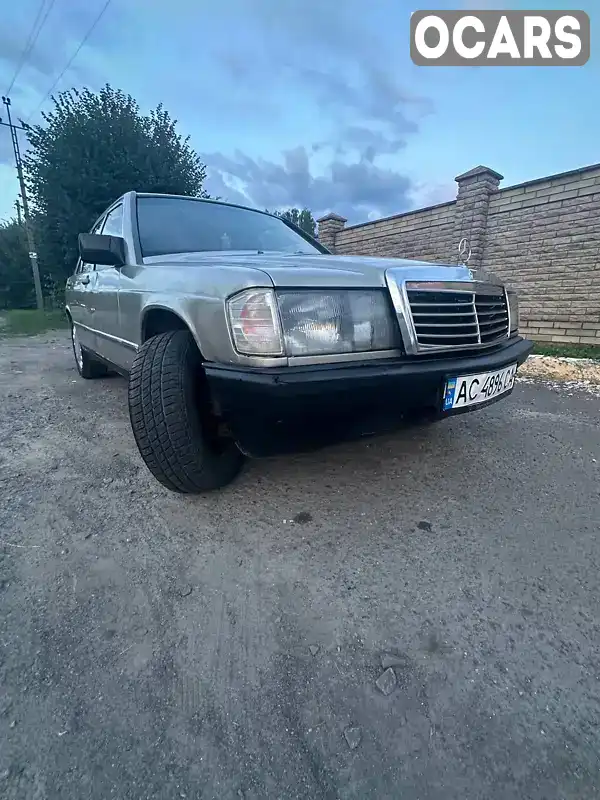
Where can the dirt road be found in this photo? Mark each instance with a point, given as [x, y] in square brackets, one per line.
[236, 645]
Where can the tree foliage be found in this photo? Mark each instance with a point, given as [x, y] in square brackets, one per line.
[16, 283]
[302, 218]
[91, 149]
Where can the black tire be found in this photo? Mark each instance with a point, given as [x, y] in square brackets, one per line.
[175, 431]
[86, 365]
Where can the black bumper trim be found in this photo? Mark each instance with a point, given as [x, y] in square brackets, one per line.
[277, 410]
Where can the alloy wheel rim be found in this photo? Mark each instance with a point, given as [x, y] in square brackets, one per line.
[77, 347]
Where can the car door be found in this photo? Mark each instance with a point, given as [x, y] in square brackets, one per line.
[81, 304]
[105, 308]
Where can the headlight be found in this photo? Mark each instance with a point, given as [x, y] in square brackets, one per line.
[301, 323]
[513, 306]
[326, 323]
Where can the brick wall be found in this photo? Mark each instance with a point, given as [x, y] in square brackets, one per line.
[427, 234]
[542, 237]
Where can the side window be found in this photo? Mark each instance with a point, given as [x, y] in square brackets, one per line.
[113, 226]
[114, 222]
[81, 266]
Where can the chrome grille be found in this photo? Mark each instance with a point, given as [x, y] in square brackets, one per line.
[448, 318]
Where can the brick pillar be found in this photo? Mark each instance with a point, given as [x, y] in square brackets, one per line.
[472, 203]
[329, 226]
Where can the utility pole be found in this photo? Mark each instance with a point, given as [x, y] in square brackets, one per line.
[18, 207]
[28, 227]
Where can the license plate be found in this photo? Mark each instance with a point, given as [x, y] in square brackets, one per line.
[470, 390]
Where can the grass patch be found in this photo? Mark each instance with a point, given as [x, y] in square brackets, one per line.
[568, 350]
[29, 322]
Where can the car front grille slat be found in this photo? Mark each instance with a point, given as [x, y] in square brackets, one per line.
[450, 314]
[458, 304]
[450, 319]
[447, 324]
[499, 330]
[444, 335]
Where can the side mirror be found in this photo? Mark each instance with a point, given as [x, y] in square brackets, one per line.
[95, 248]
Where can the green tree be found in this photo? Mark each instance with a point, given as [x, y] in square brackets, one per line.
[16, 282]
[302, 218]
[91, 149]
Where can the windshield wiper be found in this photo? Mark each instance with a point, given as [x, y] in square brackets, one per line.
[284, 252]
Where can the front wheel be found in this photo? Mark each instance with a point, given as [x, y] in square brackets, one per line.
[174, 428]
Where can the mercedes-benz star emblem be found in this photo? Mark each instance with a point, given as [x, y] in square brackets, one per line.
[464, 251]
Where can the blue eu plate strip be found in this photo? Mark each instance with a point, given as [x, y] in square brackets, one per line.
[449, 394]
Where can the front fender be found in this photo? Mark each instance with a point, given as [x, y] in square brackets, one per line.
[196, 295]
[206, 320]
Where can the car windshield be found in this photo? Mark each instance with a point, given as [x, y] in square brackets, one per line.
[178, 225]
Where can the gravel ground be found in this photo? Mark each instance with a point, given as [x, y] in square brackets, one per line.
[585, 371]
[409, 617]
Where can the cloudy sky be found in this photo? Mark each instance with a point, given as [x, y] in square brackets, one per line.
[308, 102]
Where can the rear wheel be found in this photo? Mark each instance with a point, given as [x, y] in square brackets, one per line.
[87, 366]
[174, 427]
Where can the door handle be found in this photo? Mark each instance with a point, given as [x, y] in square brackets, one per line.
[85, 280]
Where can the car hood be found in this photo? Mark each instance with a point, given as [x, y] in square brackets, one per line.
[317, 270]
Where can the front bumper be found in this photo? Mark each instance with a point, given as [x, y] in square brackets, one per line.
[284, 409]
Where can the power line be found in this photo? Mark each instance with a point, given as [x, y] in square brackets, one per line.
[72, 59]
[31, 40]
[27, 48]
